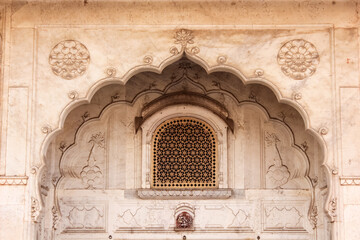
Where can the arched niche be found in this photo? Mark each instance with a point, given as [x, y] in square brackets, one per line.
[273, 164]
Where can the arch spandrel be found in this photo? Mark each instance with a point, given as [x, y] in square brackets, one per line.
[195, 54]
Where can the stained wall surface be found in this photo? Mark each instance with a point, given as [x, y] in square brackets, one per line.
[64, 61]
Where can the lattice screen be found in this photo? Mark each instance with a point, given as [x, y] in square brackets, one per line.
[184, 155]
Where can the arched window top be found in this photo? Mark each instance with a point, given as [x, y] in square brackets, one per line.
[184, 154]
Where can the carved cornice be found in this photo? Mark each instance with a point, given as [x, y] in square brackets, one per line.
[176, 194]
[350, 181]
[13, 180]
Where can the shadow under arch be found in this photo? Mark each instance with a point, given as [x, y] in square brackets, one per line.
[209, 69]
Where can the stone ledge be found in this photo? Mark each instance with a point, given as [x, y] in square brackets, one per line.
[13, 180]
[191, 193]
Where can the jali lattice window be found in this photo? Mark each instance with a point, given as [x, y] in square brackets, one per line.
[184, 155]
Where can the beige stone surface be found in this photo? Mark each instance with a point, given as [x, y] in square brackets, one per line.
[288, 146]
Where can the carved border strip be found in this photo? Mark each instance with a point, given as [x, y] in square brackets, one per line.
[13, 180]
[175, 194]
[350, 181]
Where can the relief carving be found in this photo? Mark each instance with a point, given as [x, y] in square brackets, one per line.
[314, 216]
[35, 209]
[128, 218]
[184, 37]
[184, 221]
[91, 174]
[184, 217]
[55, 217]
[349, 181]
[69, 59]
[278, 173]
[297, 96]
[283, 218]
[259, 72]
[46, 129]
[148, 59]
[332, 209]
[110, 72]
[85, 218]
[73, 95]
[240, 218]
[298, 59]
[221, 60]
[13, 180]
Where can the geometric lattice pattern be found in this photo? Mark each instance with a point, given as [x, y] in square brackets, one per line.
[184, 155]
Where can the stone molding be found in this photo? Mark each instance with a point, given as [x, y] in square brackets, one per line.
[186, 193]
[13, 180]
[350, 181]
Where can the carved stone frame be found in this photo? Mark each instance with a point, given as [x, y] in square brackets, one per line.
[149, 126]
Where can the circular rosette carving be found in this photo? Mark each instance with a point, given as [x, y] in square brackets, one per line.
[298, 59]
[69, 59]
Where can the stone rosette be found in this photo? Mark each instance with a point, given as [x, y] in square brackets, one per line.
[69, 59]
[298, 59]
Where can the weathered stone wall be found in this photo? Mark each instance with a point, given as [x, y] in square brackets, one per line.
[251, 39]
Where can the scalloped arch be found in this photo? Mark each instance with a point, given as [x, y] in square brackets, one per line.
[158, 69]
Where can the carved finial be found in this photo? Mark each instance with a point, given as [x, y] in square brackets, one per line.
[323, 131]
[46, 129]
[184, 37]
[297, 96]
[174, 51]
[110, 72]
[148, 59]
[73, 95]
[33, 170]
[193, 50]
[221, 59]
[259, 72]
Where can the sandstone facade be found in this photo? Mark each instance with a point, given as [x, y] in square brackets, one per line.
[101, 101]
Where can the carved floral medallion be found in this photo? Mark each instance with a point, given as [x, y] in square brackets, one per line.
[69, 59]
[298, 59]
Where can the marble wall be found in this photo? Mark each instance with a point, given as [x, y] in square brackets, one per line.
[64, 62]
